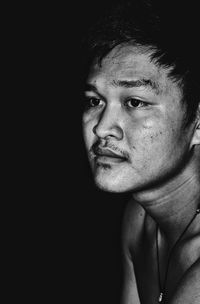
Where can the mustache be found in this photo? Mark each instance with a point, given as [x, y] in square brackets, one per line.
[99, 147]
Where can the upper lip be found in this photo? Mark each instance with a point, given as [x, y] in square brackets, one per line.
[107, 152]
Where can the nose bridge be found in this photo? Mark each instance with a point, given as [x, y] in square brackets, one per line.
[108, 123]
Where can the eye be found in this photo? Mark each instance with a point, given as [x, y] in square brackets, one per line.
[134, 103]
[92, 102]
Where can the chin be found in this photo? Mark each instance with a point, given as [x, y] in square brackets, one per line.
[109, 188]
[114, 184]
[107, 180]
[117, 179]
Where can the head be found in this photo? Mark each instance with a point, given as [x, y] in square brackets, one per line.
[141, 119]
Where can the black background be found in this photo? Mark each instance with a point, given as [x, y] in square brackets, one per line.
[72, 245]
[70, 232]
[63, 235]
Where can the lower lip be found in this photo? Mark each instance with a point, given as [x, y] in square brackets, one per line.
[108, 159]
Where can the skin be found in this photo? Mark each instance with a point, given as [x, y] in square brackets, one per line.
[144, 124]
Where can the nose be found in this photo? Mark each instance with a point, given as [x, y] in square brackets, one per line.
[108, 125]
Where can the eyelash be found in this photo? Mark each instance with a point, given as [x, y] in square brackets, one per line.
[89, 105]
[143, 104]
[88, 101]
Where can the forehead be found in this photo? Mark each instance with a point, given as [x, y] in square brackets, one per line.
[128, 63]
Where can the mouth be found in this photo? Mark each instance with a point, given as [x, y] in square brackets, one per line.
[108, 156]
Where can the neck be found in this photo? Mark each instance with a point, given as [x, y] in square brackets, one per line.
[174, 204]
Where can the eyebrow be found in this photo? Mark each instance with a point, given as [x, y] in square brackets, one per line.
[128, 84]
[90, 87]
[137, 83]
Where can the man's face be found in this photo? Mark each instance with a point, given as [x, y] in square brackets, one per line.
[133, 123]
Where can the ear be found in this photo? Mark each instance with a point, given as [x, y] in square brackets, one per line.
[196, 135]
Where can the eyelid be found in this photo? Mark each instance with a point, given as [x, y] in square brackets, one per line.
[135, 98]
[94, 97]
[139, 98]
[90, 94]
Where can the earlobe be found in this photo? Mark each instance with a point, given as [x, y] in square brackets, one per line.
[196, 136]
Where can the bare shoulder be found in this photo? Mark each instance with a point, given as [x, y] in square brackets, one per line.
[188, 291]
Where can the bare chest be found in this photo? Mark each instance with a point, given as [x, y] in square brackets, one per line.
[151, 274]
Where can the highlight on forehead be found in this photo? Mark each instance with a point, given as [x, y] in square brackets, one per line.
[130, 58]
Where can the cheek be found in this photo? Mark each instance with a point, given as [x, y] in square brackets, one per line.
[88, 133]
[151, 133]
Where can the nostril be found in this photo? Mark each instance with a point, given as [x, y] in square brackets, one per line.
[94, 129]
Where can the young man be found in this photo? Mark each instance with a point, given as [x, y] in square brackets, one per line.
[141, 128]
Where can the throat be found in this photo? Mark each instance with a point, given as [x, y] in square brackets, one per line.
[172, 207]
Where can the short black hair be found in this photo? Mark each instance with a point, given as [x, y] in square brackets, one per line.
[170, 29]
